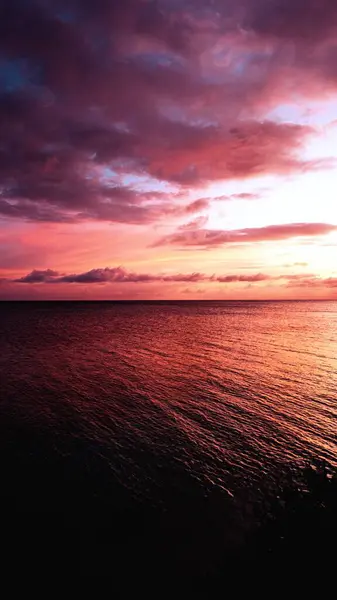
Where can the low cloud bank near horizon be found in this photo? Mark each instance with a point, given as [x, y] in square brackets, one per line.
[119, 275]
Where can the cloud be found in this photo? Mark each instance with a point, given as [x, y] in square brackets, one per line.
[300, 36]
[36, 276]
[171, 209]
[245, 196]
[106, 275]
[247, 150]
[95, 91]
[118, 275]
[196, 206]
[331, 282]
[195, 224]
[270, 233]
[295, 264]
[313, 282]
[306, 21]
[67, 92]
[120, 282]
[202, 204]
[246, 278]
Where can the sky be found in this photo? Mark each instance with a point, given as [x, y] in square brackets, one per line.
[168, 149]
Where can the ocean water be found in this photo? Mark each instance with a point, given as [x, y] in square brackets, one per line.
[157, 420]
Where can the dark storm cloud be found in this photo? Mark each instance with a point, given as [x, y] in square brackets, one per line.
[94, 89]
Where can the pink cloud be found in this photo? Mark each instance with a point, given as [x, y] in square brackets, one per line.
[196, 223]
[209, 237]
[245, 278]
[246, 150]
[313, 282]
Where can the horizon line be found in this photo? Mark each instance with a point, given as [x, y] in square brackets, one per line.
[153, 300]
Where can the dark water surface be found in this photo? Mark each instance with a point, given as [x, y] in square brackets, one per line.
[158, 427]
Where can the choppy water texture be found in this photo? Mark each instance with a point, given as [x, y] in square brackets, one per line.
[162, 402]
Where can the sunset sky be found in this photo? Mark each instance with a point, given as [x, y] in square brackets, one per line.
[154, 149]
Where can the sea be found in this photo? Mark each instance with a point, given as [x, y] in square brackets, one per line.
[158, 433]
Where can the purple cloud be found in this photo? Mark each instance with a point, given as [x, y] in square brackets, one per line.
[36, 276]
[119, 275]
[92, 91]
